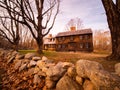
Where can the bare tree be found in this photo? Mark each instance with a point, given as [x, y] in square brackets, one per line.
[10, 30]
[113, 17]
[102, 40]
[38, 15]
[75, 22]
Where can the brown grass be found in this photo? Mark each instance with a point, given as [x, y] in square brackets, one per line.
[98, 56]
[75, 56]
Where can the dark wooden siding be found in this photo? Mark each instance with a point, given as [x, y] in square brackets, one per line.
[81, 42]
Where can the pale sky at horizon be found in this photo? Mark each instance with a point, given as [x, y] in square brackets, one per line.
[91, 12]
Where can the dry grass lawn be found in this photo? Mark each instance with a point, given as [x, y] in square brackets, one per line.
[99, 56]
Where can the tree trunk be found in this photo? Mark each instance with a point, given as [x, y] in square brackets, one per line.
[39, 45]
[15, 47]
[113, 18]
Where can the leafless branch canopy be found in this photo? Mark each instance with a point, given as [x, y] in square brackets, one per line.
[38, 15]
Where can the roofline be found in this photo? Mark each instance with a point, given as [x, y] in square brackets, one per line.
[75, 34]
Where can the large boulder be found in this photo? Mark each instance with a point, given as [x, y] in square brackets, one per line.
[94, 71]
[67, 83]
[36, 58]
[85, 68]
[29, 55]
[117, 68]
[58, 70]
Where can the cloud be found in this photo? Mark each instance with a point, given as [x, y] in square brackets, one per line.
[91, 13]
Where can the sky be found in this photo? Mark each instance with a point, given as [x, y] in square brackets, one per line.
[91, 12]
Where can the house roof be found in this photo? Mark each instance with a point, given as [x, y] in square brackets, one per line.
[76, 32]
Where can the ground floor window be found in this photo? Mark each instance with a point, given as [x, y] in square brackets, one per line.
[87, 45]
[81, 45]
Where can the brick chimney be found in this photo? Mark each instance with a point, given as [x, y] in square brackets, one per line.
[73, 28]
[50, 36]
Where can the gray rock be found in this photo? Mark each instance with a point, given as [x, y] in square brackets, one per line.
[117, 68]
[45, 63]
[84, 68]
[17, 64]
[30, 72]
[79, 80]
[14, 53]
[32, 63]
[19, 56]
[22, 67]
[36, 58]
[25, 61]
[41, 64]
[56, 71]
[49, 83]
[66, 65]
[11, 59]
[41, 73]
[44, 58]
[36, 79]
[29, 55]
[88, 85]
[66, 83]
[97, 75]
[36, 70]
[71, 72]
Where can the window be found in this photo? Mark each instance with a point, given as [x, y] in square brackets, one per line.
[71, 38]
[49, 45]
[81, 45]
[81, 37]
[87, 36]
[59, 39]
[87, 45]
[63, 38]
[59, 46]
[63, 46]
[53, 39]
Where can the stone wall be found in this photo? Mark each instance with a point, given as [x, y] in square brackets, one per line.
[48, 75]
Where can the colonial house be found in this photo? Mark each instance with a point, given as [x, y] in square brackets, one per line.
[75, 40]
[50, 43]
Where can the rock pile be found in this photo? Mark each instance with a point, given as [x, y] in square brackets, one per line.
[40, 73]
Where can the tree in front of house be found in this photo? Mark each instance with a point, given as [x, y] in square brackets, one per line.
[113, 17]
[38, 15]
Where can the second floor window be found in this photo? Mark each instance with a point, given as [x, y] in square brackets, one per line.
[81, 37]
[87, 36]
[59, 39]
[63, 38]
[71, 38]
